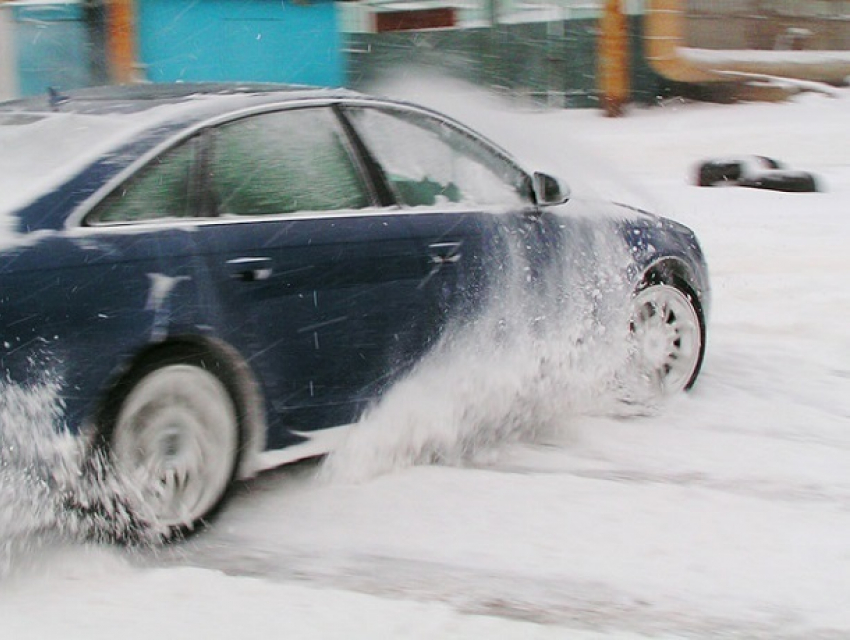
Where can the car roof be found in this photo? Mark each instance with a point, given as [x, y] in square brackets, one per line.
[190, 101]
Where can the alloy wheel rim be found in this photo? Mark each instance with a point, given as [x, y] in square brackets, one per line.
[175, 441]
[667, 338]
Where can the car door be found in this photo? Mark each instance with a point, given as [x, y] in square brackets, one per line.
[471, 209]
[316, 280]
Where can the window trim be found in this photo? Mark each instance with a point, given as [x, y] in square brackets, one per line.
[76, 219]
[350, 145]
[80, 218]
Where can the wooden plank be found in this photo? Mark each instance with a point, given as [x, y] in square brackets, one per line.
[436, 18]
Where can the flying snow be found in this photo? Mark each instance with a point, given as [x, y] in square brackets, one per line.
[51, 487]
[535, 357]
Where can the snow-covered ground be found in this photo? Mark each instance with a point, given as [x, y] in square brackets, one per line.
[723, 513]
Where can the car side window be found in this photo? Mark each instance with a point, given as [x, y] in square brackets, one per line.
[161, 189]
[283, 162]
[427, 161]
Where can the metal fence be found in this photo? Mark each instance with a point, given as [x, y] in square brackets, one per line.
[541, 50]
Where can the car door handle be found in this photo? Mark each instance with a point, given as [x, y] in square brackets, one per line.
[443, 253]
[250, 269]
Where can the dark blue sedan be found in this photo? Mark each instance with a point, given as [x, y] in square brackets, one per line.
[216, 278]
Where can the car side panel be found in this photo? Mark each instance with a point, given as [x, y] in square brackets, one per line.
[77, 305]
[325, 309]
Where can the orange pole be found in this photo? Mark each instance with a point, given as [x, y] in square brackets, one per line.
[121, 40]
[614, 84]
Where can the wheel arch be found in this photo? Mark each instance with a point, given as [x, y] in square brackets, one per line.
[675, 273]
[241, 380]
[672, 271]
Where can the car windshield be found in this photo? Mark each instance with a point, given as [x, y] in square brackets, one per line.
[38, 151]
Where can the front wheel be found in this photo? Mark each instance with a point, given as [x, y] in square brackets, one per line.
[175, 438]
[668, 333]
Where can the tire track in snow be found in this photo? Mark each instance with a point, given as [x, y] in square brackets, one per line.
[761, 488]
[576, 604]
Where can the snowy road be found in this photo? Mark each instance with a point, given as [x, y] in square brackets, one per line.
[723, 513]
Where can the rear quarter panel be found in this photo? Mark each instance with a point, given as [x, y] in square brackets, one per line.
[76, 305]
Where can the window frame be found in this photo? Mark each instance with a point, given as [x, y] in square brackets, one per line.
[350, 144]
[201, 199]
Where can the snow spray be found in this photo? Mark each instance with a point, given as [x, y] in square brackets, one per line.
[53, 488]
[535, 356]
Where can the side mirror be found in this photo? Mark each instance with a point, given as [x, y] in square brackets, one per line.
[549, 191]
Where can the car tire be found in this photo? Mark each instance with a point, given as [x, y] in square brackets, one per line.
[731, 170]
[172, 429]
[668, 337]
[778, 180]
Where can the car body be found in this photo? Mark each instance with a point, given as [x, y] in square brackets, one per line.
[219, 275]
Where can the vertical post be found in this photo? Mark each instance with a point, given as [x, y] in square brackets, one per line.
[492, 54]
[613, 52]
[121, 40]
[8, 56]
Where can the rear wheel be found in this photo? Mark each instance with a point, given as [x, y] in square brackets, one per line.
[175, 437]
[668, 335]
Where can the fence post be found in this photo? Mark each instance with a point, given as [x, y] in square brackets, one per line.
[121, 40]
[613, 58]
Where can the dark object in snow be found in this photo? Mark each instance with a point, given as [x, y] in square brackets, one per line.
[730, 170]
[782, 180]
[759, 172]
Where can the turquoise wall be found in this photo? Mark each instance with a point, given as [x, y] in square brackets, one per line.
[55, 45]
[245, 40]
